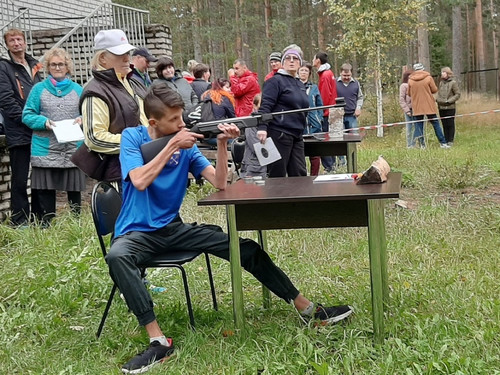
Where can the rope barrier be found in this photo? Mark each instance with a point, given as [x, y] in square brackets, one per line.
[372, 127]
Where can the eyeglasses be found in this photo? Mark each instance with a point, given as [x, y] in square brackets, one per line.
[57, 65]
[291, 58]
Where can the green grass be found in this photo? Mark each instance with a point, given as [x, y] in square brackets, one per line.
[443, 253]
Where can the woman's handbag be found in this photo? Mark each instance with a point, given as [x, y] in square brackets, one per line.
[100, 167]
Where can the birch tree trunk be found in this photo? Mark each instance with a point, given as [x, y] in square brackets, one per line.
[378, 89]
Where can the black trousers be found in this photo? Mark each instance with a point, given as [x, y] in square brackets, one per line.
[44, 203]
[19, 168]
[291, 149]
[136, 247]
[448, 123]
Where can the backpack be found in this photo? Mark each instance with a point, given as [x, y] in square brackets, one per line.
[201, 112]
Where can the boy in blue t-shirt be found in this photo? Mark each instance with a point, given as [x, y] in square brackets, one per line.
[149, 222]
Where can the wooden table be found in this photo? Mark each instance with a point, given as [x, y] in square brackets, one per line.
[334, 147]
[297, 202]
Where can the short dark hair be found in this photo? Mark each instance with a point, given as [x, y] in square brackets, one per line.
[199, 70]
[160, 96]
[162, 63]
[307, 64]
[322, 56]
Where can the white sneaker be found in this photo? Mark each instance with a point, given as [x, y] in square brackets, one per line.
[444, 145]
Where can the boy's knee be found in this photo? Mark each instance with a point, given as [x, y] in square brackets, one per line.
[114, 256]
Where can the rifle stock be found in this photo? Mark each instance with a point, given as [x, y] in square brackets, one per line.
[210, 128]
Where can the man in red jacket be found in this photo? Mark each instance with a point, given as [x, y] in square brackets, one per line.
[244, 86]
[328, 91]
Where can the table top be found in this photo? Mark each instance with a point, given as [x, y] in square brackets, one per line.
[302, 189]
[347, 137]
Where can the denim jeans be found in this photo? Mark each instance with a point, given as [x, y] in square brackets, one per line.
[350, 122]
[410, 131]
[435, 124]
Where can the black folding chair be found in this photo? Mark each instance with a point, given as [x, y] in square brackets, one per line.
[106, 205]
[237, 153]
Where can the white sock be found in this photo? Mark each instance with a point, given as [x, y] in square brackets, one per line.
[308, 311]
[161, 339]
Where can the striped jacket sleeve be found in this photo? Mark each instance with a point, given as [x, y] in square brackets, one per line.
[95, 119]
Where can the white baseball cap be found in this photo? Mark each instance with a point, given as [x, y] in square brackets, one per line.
[114, 41]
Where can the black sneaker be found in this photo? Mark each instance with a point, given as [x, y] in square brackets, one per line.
[330, 315]
[155, 353]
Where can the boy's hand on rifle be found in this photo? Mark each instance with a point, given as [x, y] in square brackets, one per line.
[185, 139]
[229, 131]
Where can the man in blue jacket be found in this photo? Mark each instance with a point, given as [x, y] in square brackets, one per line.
[18, 74]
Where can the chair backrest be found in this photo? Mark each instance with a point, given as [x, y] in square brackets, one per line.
[106, 205]
[237, 152]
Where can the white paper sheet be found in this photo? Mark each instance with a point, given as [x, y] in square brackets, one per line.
[67, 131]
[334, 177]
[267, 153]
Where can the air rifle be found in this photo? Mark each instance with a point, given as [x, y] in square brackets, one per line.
[209, 129]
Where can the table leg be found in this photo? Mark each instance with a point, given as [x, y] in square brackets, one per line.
[266, 295]
[352, 162]
[235, 264]
[378, 266]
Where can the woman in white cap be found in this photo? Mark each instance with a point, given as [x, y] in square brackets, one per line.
[283, 92]
[110, 102]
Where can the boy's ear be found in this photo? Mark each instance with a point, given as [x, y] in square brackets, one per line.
[152, 122]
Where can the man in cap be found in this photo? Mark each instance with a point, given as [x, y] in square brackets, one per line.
[111, 101]
[275, 62]
[141, 59]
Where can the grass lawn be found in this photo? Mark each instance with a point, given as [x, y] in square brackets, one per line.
[443, 253]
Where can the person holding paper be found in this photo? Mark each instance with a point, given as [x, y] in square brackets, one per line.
[283, 92]
[50, 101]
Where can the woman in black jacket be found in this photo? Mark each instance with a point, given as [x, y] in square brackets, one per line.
[283, 92]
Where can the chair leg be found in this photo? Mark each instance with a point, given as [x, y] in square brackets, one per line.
[106, 310]
[188, 296]
[211, 279]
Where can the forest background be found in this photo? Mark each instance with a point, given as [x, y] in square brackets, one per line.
[378, 37]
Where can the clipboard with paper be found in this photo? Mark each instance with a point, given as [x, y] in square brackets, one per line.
[67, 131]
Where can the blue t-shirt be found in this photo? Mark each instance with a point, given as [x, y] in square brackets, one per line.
[159, 204]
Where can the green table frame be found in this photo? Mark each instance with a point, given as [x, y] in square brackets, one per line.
[335, 147]
[298, 202]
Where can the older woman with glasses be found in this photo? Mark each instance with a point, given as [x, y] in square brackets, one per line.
[54, 99]
[283, 92]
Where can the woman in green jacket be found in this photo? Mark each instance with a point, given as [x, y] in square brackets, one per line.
[447, 95]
